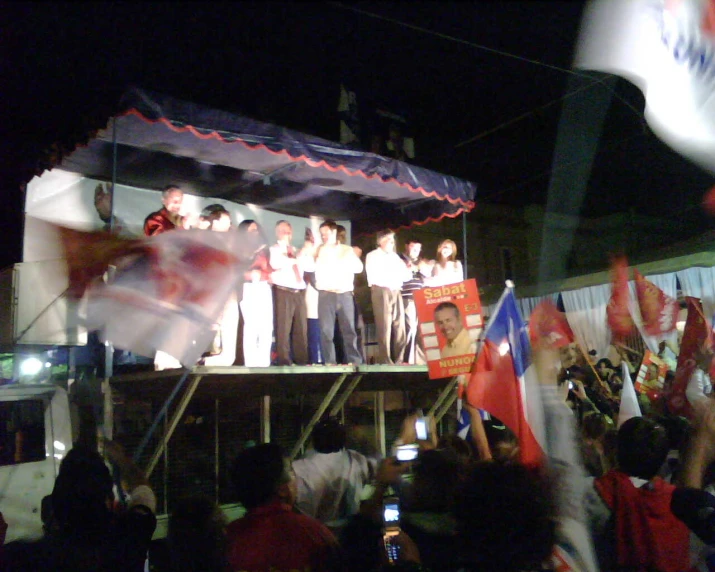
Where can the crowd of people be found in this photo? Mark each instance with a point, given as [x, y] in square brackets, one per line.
[309, 292]
[635, 497]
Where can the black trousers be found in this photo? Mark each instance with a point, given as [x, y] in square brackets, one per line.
[291, 326]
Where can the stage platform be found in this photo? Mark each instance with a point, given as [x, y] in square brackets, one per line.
[333, 384]
[218, 382]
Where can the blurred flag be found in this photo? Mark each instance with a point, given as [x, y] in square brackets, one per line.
[658, 310]
[617, 312]
[697, 334]
[629, 400]
[165, 292]
[504, 381]
[665, 48]
[89, 254]
[548, 328]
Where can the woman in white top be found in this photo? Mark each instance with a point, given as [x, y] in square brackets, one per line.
[446, 269]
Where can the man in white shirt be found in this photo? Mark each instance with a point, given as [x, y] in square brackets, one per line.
[386, 272]
[335, 268]
[289, 296]
[330, 478]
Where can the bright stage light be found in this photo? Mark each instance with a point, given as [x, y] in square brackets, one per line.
[30, 366]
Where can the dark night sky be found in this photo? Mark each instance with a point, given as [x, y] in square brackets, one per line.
[65, 66]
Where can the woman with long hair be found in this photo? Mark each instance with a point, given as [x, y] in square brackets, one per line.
[447, 269]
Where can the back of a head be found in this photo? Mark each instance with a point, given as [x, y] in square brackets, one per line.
[81, 493]
[257, 473]
[594, 425]
[437, 473]
[329, 436]
[642, 447]
[505, 518]
[197, 522]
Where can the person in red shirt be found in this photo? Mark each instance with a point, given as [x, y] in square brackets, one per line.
[168, 218]
[272, 536]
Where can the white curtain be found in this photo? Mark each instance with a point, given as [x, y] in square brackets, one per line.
[586, 314]
[699, 283]
[667, 283]
[527, 305]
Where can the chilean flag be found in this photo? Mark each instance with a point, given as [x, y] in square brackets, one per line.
[504, 383]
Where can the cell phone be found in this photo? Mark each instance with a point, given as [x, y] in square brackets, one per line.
[392, 549]
[391, 515]
[407, 453]
[422, 428]
[570, 384]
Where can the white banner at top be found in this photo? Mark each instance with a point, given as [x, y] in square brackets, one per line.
[667, 49]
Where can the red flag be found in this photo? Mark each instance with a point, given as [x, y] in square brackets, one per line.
[503, 381]
[548, 328]
[89, 254]
[617, 312]
[658, 310]
[697, 334]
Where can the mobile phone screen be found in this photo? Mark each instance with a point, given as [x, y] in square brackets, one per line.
[421, 428]
[391, 514]
[407, 452]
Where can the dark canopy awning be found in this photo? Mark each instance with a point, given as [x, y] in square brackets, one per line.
[213, 153]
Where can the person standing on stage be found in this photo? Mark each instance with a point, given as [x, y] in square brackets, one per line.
[386, 272]
[335, 268]
[447, 269]
[257, 300]
[419, 270]
[288, 266]
[169, 217]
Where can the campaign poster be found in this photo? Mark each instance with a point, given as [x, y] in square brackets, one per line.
[451, 322]
[651, 373]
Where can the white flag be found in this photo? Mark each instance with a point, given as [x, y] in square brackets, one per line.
[667, 49]
[629, 399]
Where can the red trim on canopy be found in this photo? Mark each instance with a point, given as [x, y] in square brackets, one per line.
[468, 206]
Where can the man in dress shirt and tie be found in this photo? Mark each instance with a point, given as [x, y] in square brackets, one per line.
[335, 268]
[289, 296]
[386, 272]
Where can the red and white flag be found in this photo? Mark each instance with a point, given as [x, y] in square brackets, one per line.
[548, 328]
[658, 310]
[698, 334]
[617, 312]
[164, 292]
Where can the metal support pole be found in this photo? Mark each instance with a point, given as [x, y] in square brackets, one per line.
[443, 395]
[464, 241]
[266, 419]
[345, 395]
[380, 413]
[446, 406]
[180, 408]
[217, 469]
[317, 415]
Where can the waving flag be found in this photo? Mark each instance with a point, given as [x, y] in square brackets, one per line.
[665, 48]
[165, 292]
[697, 334]
[629, 400]
[658, 310]
[504, 381]
[548, 327]
[617, 312]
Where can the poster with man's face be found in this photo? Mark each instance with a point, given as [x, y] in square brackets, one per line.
[451, 322]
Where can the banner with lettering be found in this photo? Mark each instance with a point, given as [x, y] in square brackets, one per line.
[451, 323]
